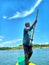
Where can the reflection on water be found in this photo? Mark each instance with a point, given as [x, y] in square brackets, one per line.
[39, 56]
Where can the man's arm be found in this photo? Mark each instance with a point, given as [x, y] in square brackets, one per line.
[33, 25]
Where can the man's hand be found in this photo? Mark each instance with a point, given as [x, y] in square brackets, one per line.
[35, 23]
[36, 18]
[31, 39]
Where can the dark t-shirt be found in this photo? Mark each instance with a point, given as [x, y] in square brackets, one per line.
[26, 35]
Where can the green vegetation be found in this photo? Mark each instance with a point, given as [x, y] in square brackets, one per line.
[21, 47]
[41, 46]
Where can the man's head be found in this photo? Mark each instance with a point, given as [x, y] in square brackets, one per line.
[27, 24]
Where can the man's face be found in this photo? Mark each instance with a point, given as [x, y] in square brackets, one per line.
[27, 24]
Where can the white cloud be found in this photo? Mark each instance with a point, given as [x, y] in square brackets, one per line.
[43, 43]
[1, 38]
[4, 17]
[46, 43]
[24, 13]
[13, 43]
[8, 43]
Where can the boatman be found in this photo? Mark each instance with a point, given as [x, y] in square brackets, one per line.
[26, 41]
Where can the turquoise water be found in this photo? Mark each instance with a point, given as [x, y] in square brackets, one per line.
[39, 56]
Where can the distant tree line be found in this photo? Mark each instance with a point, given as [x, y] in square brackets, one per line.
[21, 47]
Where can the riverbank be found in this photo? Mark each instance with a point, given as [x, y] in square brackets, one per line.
[21, 47]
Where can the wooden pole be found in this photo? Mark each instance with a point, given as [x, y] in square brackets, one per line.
[35, 24]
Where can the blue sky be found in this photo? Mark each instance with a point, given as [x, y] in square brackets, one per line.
[14, 14]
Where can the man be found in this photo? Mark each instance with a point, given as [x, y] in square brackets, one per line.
[27, 45]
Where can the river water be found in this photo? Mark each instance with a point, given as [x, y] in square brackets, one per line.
[39, 56]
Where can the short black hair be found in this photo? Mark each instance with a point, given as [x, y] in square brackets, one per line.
[27, 24]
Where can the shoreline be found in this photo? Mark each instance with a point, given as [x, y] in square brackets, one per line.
[21, 47]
